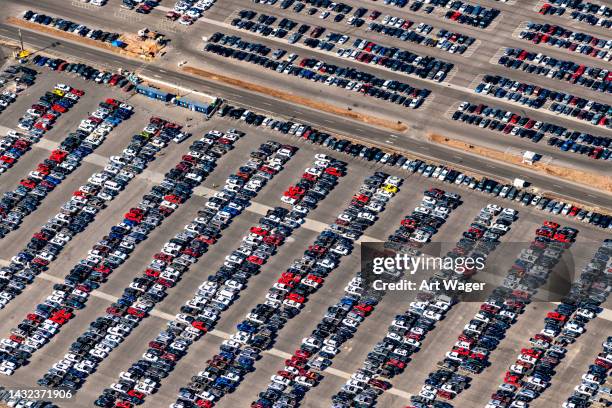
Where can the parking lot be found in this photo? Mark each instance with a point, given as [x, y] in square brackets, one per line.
[352, 352]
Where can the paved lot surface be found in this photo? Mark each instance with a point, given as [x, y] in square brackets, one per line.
[355, 350]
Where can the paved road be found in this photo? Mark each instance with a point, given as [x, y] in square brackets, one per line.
[433, 116]
[319, 119]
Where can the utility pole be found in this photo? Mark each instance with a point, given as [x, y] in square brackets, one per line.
[20, 39]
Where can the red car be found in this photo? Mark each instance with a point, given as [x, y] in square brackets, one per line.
[259, 231]
[58, 108]
[58, 156]
[255, 260]
[333, 171]
[512, 379]
[199, 325]
[137, 394]
[172, 15]
[315, 278]
[299, 353]
[273, 239]
[309, 177]
[296, 298]
[206, 239]
[396, 363]
[551, 224]
[135, 312]
[103, 269]
[27, 183]
[7, 159]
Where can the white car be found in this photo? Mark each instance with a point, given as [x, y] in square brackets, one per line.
[7, 368]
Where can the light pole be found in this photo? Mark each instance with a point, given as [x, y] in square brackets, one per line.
[20, 39]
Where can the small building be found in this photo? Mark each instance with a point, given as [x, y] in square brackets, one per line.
[154, 93]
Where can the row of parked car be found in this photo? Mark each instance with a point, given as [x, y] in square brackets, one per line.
[459, 11]
[319, 71]
[597, 79]
[221, 289]
[42, 115]
[404, 336]
[561, 37]
[368, 52]
[585, 11]
[596, 375]
[140, 6]
[426, 169]
[486, 330]
[445, 40]
[285, 299]
[188, 12]
[171, 262]
[532, 372]
[398, 60]
[510, 123]
[17, 204]
[86, 72]
[535, 96]
[70, 26]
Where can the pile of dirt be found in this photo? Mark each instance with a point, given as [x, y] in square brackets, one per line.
[300, 100]
[137, 46]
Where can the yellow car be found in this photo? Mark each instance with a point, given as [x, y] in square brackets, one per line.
[58, 92]
[390, 188]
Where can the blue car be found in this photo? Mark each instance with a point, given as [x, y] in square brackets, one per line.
[53, 180]
[246, 327]
[114, 121]
[231, 210]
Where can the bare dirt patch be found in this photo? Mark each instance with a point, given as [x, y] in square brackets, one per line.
[599, 181]
[286, 96]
